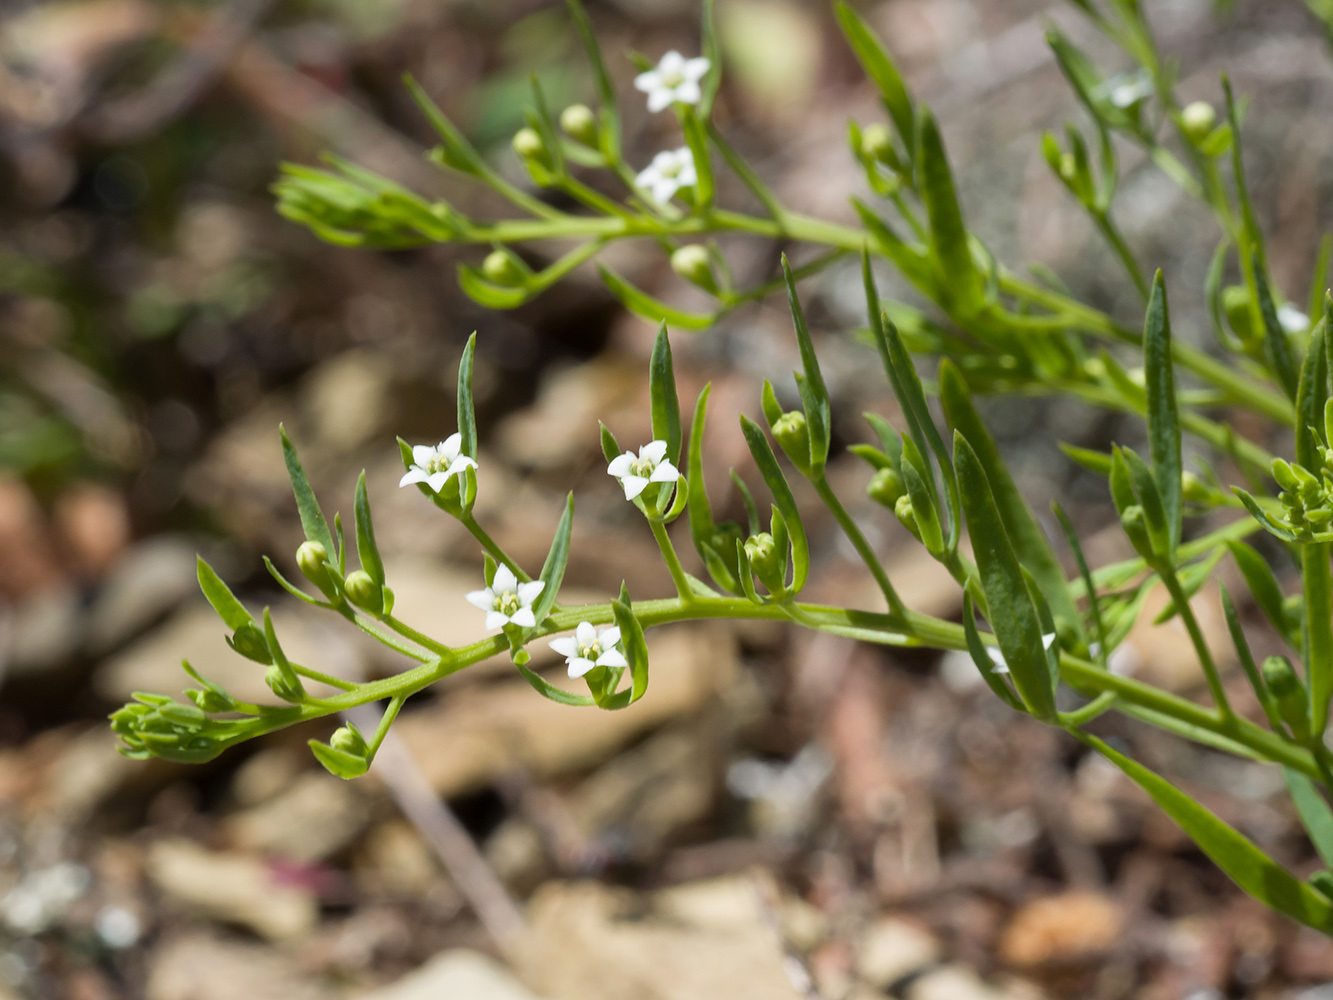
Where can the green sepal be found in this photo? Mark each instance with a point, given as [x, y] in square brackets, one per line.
[366, 548]
[339, 763]
[1009, 605]
[1150, 499]
[312, 518]
[768, 402]
[746, 573]
[1251, 869]
[1272, 526]
[1163, 413]
[610, 446]
[662, 394]
[210, 697]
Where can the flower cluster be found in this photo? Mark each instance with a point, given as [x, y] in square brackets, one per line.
[674, 81]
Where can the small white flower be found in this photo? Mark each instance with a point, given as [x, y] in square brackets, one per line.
[997, 658]
[649, 467]
[671, 170]
[1127, 91]
[1291, 319]
[434, 466]
[506, 601]
[590, 647]
[674, 79]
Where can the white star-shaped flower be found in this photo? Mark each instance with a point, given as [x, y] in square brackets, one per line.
[506, 601]
[434, 466]
[635, 473]
[997, 658]
[674, 79]
[671, 170]
[590, 647]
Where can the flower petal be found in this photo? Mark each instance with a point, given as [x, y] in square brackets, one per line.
[423, 454]
[450, 445]
[649, 80]
[505, 582]
[524, 617]
[437, 480]
[580, 666]
[659, 100]
[694, 69]
[567, 646]
[484, 599]
[529, 592]
[671, 63]
[612, 658]
[496, 620]
[664, 189]
[586, 633]
[620, 465]
[634, 485]
[413, 475]
[609, 636]
[688, 93]
[664, 473]
[653, 451]
[460, 465]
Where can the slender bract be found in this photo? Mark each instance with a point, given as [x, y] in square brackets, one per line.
[1163, 413]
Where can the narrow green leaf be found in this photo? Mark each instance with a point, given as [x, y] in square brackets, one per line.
[1251, 869]
[751, 511]
[651, 309]
[1275, 338]
[813, 391]
[663, 398]
[1246, 657]
[1311, 396]
[552, 693]
[959, 281]
[700, 512]
[1009, 607]
[747, 176]
[1097, 462]
[1314, 811]
[487, 293]
[1029, 540]
[279, 657]
[1163, 414]
[553, 570]
[366, 549]
[696, 137]
[1319, 277]
[982, 659]
[1150, 499]
[879, 66]
[1317, 585]
[633, 644]
[1089, 586]
[914, 265]
[767, 463]
[339, 763]
[712, 51]
[913, 471]
[312, 518]
[1272, 526]
[610, 446]
[229, 609]
[746, 574]
[467, 418]
[1262, 583]
[606, 91]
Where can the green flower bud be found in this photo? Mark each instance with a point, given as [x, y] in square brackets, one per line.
[501, 268]
[1135, 525]
[1289, 693]
[348, 740]
[1194, 489]
[886, 487]
[212, 700]
[1198, 120]
[766, 561]
[528, 144]
[1323, 881]
[364, 592]
[877, 143]
[1236, 305]
[313, 560]
[906, 515]
[1068, 167]
[580, 123]
[793, 436]
[1285, 475]
[249, 642]
[286, 687]
[694, 264]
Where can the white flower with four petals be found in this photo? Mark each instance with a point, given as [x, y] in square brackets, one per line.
[674, 79]
[635, 473]
[506, 601]
[671, 170]
[590, 647]
[434, 466]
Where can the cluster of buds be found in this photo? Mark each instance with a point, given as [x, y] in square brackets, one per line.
[1306, 498]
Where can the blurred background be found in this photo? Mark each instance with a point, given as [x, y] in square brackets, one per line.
[783, 815]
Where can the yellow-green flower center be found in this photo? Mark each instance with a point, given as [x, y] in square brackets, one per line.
[507, 603]
[641, 467]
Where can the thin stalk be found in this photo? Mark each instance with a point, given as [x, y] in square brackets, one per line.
[1112, 234]
[487, 543]
[858, 540]
[1214, 677]
[672, 560]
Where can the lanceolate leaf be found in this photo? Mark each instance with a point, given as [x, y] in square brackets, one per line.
[1275, 338]
[467, 419]
[1029, 541]
[1311, 395]
[606, 91]
[1250, 868]
[662, 393]
[229, 609]
[1262, 583]
[1009, 607]
[813, 392]
[642, 304]
[1313, 809]
[960, 283]
[312, 518]
[870, 52]
[982, 659]
[636, 652]
[553, 570]
[366, 548]
[767, 463]
[1163, 415]
[1317, 583]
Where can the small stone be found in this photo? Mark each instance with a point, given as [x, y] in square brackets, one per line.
[316, 816]
[467, 975]
[892, 948]
[1066, 928]
[151, 579]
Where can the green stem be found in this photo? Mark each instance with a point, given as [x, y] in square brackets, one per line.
[487, 543]
[672, 560]
[1112, 234]
[858, 540]
[1186, 612]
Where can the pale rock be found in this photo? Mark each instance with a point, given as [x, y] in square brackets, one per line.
[1162, 655]
[460, 974]
[1070, 927]
[953, 982]
[730, 903]
[347, 399]
[149, 580]
[892, 948]
[43, 632]
[233, 888]
[202, 967]
[314, 817]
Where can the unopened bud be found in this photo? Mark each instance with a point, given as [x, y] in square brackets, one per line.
[694, 264]
[580, 123]
[501, 268]
[877, 143]
[250, 643]
[1289, 694]
[1134, 523]
[886, 487]
[313, 560]
[348, 740]
[1285, 474]
[1198, 120]
[528, 144]
[1194, 489]
[765, 560]
[906, 515]
[793, 436]
[212, 700]
[364, 592]
[285, 686]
